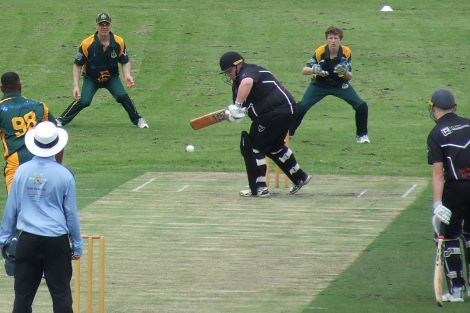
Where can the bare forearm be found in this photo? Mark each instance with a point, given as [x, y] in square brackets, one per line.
[244, 90]
[76, 71]
[126, 69]
[437, 181]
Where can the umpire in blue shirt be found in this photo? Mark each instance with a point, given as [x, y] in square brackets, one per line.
[41, 205]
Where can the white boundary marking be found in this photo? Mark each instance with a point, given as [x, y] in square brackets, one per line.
[144, 184]
[409, 191]
[362, 193]
[183, 188]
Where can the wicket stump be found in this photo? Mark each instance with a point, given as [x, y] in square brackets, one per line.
[277, 171]
[90, 241]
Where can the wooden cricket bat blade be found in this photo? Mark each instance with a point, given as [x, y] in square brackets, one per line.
[439, 272]
[208, 119]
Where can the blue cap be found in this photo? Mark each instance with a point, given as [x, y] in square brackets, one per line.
[443, 99]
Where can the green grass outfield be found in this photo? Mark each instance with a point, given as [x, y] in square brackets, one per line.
[399, 58]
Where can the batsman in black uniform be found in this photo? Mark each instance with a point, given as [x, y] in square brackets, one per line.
[449, 155]
[256, 92]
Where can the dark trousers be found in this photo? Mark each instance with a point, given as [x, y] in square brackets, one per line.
[315, 93]
[456, 198]
[266, 138]
[89, 88]
[38, 255]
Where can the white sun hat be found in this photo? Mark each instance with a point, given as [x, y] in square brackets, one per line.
[46, 139]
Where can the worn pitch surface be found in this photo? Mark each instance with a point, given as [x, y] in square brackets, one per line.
[186, 242]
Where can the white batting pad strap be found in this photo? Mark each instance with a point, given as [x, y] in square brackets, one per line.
[294, 169]
[261, 179]
[286, 156]
[451, 251]
[451, 274]
[260, 162]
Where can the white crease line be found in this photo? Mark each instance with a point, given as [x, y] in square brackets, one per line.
[409, 191]
[183, 188]
[144, 184]
[362, 193]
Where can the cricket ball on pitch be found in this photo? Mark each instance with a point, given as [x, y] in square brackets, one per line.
[189, 148]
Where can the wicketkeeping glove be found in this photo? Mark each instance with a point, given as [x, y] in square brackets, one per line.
[317, 70]
[341, 69]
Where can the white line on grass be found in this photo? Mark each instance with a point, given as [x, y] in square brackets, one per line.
[144, 184]
[183, 188]
[362, 193]
[409, 191]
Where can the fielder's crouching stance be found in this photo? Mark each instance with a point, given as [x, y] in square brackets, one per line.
[270, 106]
[449, 154]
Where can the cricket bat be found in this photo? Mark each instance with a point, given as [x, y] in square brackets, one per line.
[208, 119]
[439, 272]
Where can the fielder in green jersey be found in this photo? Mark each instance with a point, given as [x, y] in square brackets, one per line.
[98, 58]
[17, 115]
[331, 68]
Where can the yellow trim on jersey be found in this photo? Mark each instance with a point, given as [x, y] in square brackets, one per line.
[13, 162]
[45, 117]
[321, 51]
[2, 135]
[86, 43]
[120, 41]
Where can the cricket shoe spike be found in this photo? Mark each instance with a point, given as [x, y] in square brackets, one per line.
[302, 183]
[456, 296]
[262, 192]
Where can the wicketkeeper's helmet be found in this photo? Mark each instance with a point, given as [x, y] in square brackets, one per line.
[230, 59]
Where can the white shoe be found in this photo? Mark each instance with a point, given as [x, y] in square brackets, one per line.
[262, 192]
[362, 139]
[141, 123]
[456, 296]
[302, 183]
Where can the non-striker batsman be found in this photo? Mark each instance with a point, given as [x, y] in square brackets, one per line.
[449, 155]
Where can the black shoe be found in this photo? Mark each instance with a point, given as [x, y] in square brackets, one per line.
[302, 183]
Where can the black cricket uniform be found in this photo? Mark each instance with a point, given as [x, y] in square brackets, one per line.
[449, 142]
[271, 108]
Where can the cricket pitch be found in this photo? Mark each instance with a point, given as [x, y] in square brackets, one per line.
[186, 242]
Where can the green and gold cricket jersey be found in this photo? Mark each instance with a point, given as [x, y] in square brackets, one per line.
[322, 56]
[17, 115]
[101, 64]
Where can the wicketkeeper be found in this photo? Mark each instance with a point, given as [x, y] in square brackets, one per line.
[449, 155]
[331, 68]
[256, 92]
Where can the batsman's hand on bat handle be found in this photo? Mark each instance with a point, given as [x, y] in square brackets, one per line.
[235, 113]
[441, 214]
